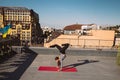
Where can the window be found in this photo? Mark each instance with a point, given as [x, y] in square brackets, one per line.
[9, 17]
[28, 26]
[0, 17]
[15, 18]
[6, 17]
[23, 27]
[13, 26]
[28, 38]
[19, 18]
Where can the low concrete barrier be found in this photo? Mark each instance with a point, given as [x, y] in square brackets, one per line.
[72, 51]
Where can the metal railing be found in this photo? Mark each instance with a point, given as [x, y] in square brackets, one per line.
[6, 47]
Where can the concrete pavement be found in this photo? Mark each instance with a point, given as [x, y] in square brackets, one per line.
[96, 68]
[89, 67]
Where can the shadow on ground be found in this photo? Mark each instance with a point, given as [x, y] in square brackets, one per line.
[20, 65]
[81, 62]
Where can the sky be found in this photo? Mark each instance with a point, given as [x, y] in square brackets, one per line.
[59, 13]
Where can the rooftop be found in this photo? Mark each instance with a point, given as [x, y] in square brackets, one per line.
[73, 27]
[76, 26]
[25, 67]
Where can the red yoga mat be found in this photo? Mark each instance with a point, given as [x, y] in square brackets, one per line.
[52, 68]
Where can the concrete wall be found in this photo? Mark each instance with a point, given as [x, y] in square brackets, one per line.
[74, 51]
[103, 34]
[97, 39]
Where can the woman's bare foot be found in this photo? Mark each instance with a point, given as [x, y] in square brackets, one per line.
[59, 69]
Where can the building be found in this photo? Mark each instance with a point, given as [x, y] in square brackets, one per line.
[78, 28]
[72, 29]
[99, 39]
[1, 18]
[48, 29]
[24, 21]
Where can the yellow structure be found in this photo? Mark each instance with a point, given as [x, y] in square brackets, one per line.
[1, 18]
[96, 39]
[24, 21]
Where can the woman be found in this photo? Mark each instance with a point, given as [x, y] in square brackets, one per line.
[62, 50]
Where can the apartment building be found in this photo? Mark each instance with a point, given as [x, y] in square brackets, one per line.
[24, 21]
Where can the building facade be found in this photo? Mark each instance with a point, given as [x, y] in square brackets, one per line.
[79, 28]
[24, 23]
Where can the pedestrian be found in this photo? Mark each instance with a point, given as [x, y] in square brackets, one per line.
[62, 50]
